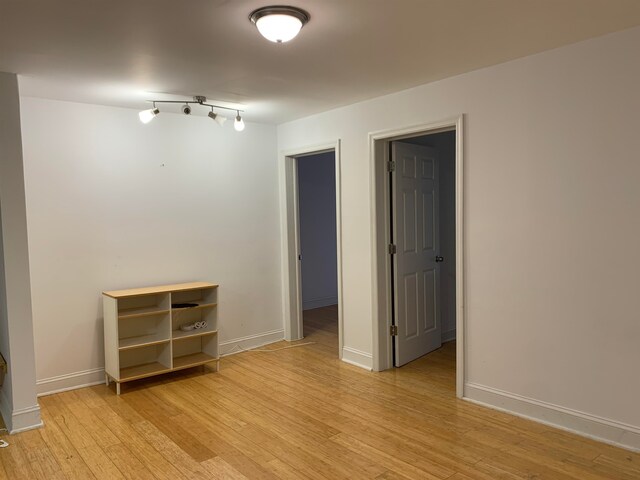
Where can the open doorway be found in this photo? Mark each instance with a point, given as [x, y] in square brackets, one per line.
[417, 196]
[318, 247]
[311, 248]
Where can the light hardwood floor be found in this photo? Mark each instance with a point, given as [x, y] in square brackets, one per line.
[299, 414]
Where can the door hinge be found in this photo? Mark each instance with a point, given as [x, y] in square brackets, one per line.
[394, 330]
[391, 166]
[392, 249]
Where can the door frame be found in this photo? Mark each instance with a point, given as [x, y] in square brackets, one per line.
[380, 237]
[290, 230]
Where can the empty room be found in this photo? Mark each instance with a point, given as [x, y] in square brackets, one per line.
[320, 239]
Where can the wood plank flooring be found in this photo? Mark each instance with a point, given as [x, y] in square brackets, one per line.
[299, 413]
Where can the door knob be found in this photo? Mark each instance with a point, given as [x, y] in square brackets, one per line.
[439, 259]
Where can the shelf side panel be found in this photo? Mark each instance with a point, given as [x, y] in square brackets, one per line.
[110, 320]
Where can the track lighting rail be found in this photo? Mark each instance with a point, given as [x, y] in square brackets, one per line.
[196, 101]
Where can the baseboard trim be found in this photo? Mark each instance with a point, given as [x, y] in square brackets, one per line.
[357, 357]
[230, 347]
[580, 423]
[5, 409]
[319, 302]
[69, 381]
[448, 335]
[24, 419]
[95, 376]
[20, 419]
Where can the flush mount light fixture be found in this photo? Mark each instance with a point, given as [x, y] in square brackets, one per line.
[147, 115]
[279, 23]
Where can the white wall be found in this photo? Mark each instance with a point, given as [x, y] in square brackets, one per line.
[18, 403]
[551, 205]
[113, 203]
[317, 211]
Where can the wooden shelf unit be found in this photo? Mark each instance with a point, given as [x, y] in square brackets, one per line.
[142, 335]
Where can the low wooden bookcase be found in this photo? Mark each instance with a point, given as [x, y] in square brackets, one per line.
[142, 335]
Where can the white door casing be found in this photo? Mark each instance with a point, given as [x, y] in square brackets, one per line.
[289, 217]
[416, 237]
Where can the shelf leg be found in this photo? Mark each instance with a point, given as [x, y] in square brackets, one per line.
[106, 379]
[118, 388]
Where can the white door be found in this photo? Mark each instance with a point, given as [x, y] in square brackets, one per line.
[416, 265]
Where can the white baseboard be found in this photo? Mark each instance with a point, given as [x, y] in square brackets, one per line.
[69, 381]
[580, 423]
[229, 347]
[319, 302]
[448, 335]
[95, 376]
[25, 419]
[21, 419]
[5, 408]
[357, 357]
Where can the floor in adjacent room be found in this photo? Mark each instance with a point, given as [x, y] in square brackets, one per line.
[299, 413]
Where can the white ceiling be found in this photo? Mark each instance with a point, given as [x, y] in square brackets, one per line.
[123, 52]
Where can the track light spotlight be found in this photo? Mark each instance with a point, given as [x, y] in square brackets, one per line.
[239, 123]
[147, 115]
[186, 109]
[217, 117]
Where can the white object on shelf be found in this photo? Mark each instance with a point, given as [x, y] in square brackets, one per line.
[144, 335]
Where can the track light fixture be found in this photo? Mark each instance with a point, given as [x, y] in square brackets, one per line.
[147, 115]
[239, 123]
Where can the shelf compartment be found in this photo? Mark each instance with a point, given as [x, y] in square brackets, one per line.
[143, 330]
[193, 360]
[142, 371]
[142, 341]
[145, 360]
[132, 307]
[200, 296]
[141, 312]
[180, 335]
[195, 350]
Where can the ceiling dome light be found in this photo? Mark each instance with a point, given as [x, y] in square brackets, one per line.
[239, 123]
[147, 115]
[279, 24]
